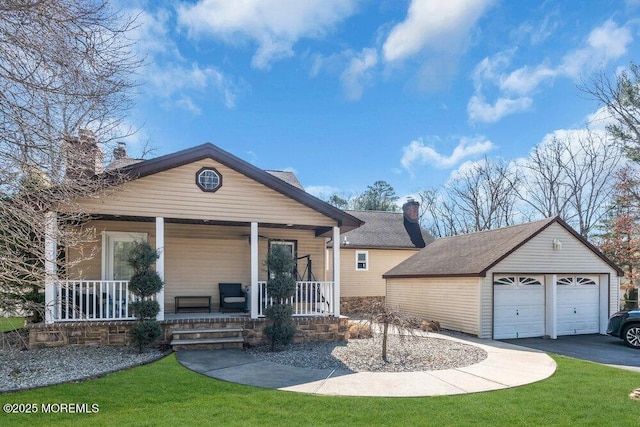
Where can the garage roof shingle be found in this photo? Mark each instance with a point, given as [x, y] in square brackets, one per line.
[474, 254]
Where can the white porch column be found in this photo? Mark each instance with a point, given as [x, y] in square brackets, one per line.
[551, 310]
[254, 270]
[50, 265]
[336, 271]
[160, 263]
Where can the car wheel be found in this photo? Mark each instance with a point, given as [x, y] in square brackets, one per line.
[632, 336]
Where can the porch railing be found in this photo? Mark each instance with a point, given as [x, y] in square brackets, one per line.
[310, 298]
[95, 300]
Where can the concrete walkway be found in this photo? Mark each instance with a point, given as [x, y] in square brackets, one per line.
[507, 365]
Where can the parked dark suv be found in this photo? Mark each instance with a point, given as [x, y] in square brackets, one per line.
[626, 325]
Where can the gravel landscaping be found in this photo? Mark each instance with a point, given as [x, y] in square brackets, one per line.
[406, 354]
[23, 369]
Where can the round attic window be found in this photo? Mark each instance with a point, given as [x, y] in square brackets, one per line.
[208, 179]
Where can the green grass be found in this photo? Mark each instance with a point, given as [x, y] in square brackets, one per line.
[165, 393]
[11, 323]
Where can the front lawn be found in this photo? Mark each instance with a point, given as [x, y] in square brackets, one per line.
[10, 323]
[165, 393]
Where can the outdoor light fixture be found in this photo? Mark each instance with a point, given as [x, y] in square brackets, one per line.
[557, 244]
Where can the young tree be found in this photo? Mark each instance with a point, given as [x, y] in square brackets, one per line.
[389, 318]
[65, 66]
[144, 284]
[281, 285]
[620, 240]
[377, 197]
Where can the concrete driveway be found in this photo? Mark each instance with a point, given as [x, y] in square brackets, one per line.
[595, 348]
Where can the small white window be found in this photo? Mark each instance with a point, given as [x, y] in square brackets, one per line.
[362, 260]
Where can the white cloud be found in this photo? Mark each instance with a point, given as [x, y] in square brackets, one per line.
[604, 44]
[358, 73]
[481, 111]
[417, 153]
[275, 25]
[168, 75]
[600, 119]
[321, 191]
[464, 169]
[178, 79]
[152, 33]
[524, 80]
[187, 103]
[435, 24]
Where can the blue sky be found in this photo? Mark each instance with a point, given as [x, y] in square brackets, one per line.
[348, 92]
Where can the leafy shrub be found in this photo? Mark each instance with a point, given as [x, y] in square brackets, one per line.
[280, 286]
[144, 283]
[145, 332]
[145, 309]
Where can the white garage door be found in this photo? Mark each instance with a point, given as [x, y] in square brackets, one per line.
[518, 306]
[578, 305]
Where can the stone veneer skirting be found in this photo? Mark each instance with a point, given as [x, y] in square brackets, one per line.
[309, 329]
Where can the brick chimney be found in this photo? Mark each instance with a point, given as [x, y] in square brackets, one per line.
[84, 158]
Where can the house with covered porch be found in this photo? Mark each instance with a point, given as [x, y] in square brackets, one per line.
[213, 218]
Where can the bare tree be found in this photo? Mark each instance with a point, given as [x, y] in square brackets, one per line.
[66, 73]
[479, 198]
[572, 178]
[621, 98]
[543, 186]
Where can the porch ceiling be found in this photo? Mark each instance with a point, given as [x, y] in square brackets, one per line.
[319, 230]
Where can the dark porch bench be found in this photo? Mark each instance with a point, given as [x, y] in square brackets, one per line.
[190, 302]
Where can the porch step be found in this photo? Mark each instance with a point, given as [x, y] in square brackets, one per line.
[214, 338]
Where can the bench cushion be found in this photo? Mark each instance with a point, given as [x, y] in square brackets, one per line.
[234, 299]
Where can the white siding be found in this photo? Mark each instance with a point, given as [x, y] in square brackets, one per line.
[454, 302]
[174, 194]
[538, 256]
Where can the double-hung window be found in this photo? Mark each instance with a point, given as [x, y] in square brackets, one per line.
[362, 260]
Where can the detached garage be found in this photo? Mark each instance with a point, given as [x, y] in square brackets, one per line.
[530, 280]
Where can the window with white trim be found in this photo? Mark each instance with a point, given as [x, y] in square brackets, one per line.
[362, 260]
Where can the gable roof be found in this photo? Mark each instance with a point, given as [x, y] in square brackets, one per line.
[473, 254]
[210, 151]
[382, 229]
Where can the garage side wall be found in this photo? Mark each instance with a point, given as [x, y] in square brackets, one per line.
[537, 256]
[454, 302]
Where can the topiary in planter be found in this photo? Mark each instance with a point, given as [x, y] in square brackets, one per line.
[144, 284]
[280, 286]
